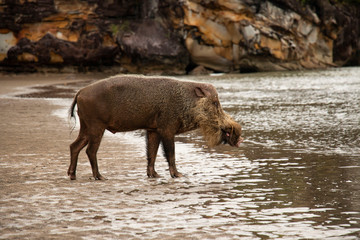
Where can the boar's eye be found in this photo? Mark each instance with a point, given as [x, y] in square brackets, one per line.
[216, 103]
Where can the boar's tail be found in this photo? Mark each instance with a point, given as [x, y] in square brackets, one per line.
[72, 108]
[71, 112]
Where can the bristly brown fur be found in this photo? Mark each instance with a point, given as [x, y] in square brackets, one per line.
[211, 124]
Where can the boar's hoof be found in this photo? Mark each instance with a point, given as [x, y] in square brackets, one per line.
[99, 177]
[153, 174]
[175, 174]
[72, 175]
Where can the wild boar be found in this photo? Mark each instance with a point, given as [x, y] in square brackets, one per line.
[164, 107]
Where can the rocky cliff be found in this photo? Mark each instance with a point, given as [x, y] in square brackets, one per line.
[172, 37]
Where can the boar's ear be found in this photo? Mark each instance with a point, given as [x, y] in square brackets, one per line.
[201, 92]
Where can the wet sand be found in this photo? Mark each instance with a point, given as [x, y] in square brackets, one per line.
[37, 199]
[259, 191]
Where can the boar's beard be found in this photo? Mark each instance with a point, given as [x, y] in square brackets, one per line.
[211, 133]
[211, 123]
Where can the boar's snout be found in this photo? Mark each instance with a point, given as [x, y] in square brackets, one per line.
[216, 126]
[232, 135]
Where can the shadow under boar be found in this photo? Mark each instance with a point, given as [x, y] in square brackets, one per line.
[164, 107]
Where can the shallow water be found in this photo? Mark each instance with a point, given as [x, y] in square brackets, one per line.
[296, 176]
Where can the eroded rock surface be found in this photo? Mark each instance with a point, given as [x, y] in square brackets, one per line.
[266, 35]
[172, 37]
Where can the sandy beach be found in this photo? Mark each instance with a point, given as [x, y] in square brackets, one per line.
[37, 199]
[294, 177]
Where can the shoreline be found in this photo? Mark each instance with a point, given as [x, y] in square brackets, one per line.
[225, 192]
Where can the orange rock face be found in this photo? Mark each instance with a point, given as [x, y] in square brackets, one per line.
[168, 36]
[231, 35]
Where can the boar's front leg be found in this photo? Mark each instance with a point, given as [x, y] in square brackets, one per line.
[169, 151]
[152, 141]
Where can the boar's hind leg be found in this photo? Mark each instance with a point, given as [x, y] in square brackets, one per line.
[169, 151]
[152, 141]
[94, 143]
[75, 149]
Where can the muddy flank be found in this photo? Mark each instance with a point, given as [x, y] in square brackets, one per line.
[296, 176]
